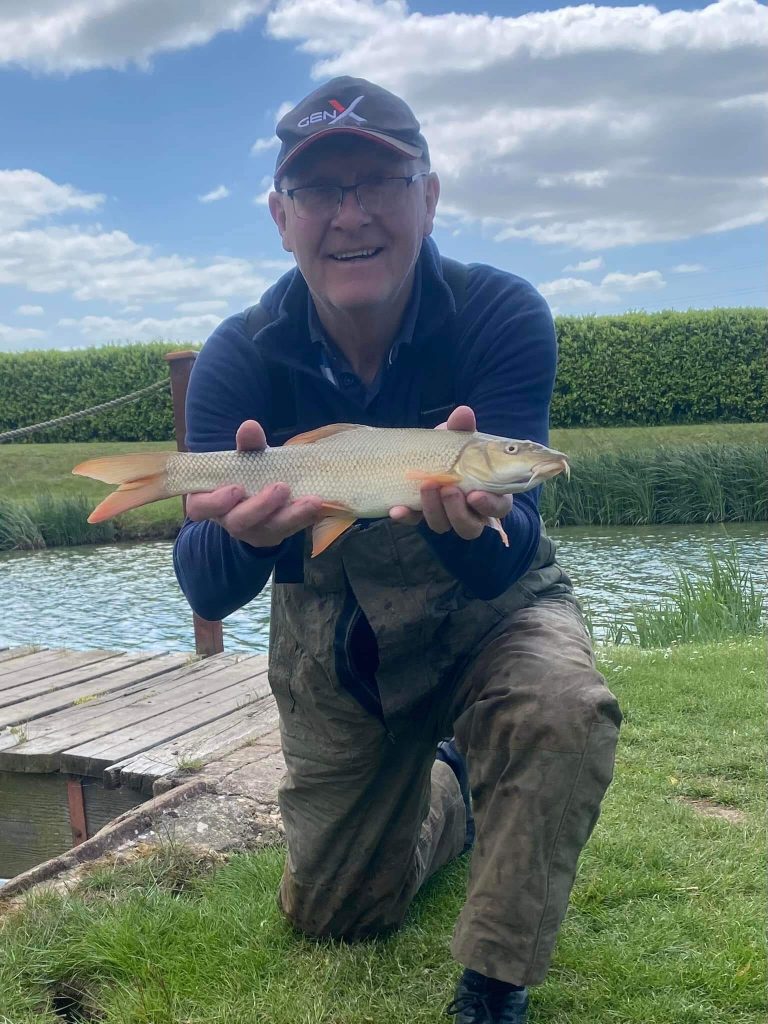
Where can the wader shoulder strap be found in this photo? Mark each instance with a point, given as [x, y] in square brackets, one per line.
[438, 393]
[282, 393]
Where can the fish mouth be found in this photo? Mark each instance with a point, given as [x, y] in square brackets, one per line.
[551, 467]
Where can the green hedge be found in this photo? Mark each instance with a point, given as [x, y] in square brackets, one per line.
[41, 385]
[646, 369]
[639, 369]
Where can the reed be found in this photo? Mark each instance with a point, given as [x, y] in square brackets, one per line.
[17, 529]
[712, 606]
[62, 520]
[703, 483]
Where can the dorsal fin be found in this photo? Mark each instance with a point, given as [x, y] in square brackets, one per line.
[310, 436]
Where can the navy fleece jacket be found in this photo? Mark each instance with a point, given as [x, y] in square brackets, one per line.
[505, 360]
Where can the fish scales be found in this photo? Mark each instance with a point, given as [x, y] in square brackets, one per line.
[363, 468]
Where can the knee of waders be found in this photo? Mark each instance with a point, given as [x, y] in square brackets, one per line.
[326, 913]
[556, 711]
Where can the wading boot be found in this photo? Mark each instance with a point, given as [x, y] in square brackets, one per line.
[481, 1000]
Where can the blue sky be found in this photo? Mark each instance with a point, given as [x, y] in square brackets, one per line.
[610, 154]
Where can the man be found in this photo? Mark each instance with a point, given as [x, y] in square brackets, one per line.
[414, 628]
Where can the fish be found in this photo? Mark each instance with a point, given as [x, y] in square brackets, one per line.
[360, 472]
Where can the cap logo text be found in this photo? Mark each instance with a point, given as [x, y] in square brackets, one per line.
[340, 113]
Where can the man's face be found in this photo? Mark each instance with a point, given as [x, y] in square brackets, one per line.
[393, 237]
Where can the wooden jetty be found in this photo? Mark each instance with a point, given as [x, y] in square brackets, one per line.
[85, 735]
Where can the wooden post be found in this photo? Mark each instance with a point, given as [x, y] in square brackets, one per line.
[77, 819]
[209, 637]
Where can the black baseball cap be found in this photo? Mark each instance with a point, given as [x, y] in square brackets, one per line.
[351, 106]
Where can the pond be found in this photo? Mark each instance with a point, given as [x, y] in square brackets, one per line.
[125, 596]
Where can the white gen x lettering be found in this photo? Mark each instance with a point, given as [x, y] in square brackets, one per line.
[337, 115]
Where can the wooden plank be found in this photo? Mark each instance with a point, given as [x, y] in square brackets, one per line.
[60, 681]
[35, 656]
[44, 740]
[92, 757]
[206, 743]
[120, 676]
[55, 731]
[8, 653]
[53, 667]
[81, 716]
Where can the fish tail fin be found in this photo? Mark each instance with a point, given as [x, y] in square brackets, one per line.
[142, 478]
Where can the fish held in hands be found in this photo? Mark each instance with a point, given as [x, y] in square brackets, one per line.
[358, 471]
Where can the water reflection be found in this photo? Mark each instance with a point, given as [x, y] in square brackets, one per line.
[126, 596]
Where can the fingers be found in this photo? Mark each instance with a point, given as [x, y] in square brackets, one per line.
[462, 418]
[263, 520]
[448, 508]
[250, 437]
[496, 506]
[435, 514]
[214, 504]
[269, 517]
[403, 514]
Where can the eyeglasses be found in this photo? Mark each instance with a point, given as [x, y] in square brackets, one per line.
[375, 196]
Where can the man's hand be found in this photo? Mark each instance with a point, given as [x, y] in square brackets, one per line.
[266, 518]
[448, 508]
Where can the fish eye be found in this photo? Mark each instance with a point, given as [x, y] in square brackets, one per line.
[511, 449]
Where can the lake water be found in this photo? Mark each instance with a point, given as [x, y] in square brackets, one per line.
[123, 597]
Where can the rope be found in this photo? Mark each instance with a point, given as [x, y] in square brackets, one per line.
[134, 396]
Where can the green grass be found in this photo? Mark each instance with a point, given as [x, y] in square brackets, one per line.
[601, 439]
[43, 472]
[606, 487]
[665, 925]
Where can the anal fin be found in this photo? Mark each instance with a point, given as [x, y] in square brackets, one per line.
[327, 530]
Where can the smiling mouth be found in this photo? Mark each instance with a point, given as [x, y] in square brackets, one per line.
[355, 255]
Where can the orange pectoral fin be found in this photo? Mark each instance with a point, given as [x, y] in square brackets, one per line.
[327, 530]
[310, 436]
[495, 524]
[423, 477]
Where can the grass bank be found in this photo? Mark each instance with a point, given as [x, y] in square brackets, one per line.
[621, 475]
[665, 925]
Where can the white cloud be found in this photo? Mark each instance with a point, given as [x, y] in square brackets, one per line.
[96, 265]
[688, 268]
[215, 194]
[611, 289]
[19, 336]
[107, 328]
[585, 265]
[27, 196]
[262, 145]
[529, 141]
[30, 310]
[204, 306]
[77, 35]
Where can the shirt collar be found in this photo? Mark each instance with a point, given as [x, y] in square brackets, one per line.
[404, 336]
